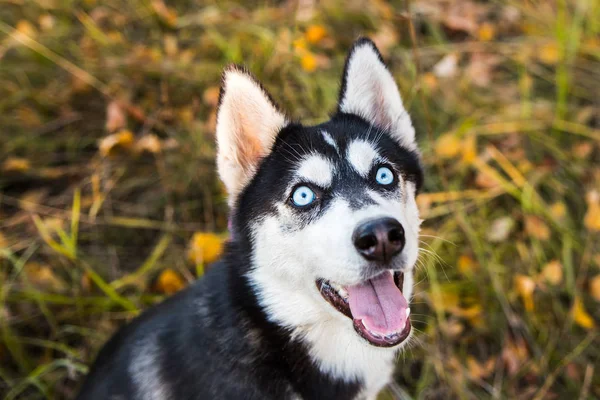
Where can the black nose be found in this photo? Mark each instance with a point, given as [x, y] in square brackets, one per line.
[379, 239]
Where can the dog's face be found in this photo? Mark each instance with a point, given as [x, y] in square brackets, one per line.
[329, 210]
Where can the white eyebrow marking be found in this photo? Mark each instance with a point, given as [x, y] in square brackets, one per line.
[361, 155]
[329, 139]
[316, 169]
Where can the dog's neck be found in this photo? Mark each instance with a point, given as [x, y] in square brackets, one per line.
[332, 343]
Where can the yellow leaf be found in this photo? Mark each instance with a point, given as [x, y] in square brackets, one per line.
[3, 241]
[211, 96]
[558, 210]
[308, 62]
[42, 277]
[148, 143]
[26, 28]
[169, 282]
[444, 300]
[592, 217]
[205, 248]
[429, 80]
[525, 285]
[315, 33]
[595, 287]
[447, 146]
[581, 316]
[466, 265]
[469, 151]
[111, 144]
[16, 164]
[171, 46]
[553, 272]
[536, 227]
[549, 53]
[300, 45]
[486, 32]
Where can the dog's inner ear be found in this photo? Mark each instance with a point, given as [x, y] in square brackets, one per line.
[247, 125]
[369, 91]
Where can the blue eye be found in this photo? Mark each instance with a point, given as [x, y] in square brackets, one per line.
[384, 176]
[303, 196]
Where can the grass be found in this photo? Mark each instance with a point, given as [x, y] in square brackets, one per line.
[504, 96]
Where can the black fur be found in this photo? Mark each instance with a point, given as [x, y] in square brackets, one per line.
[213, 340]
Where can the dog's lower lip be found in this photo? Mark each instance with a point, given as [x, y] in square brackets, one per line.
[390, 340]
[340, 303]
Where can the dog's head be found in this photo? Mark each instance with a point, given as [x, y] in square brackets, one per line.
[328, 211]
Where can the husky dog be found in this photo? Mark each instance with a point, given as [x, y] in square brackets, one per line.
[311, 298]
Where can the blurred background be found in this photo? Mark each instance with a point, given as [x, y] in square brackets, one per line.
[109, 199]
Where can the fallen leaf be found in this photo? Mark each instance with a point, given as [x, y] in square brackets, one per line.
[549, 53]
[169, 282]
[429, 80]
[558, 210]
[315, 33]
[46, 22]
[3, 241]
[210, 97]
[462, 16]
[469, 149]
[480, 370]
[205, 248]
[447, 66]
[16, 164]
[26, 28]
[148, 144]
[447, 145]
[514, 355]
[480, 68]
[582, 150]
[592, 216]
[466, 265]
[486, 32]
[486, 181]
[308, 62]
[110, 145]
[300, 45]
[595, 287]
[444, 300]
[115, 117]
[171, 45]
[525, 286]
[500, 229]
[581, 316]
[553, 272]
[42, 277]
[536, 228]
[166, 14]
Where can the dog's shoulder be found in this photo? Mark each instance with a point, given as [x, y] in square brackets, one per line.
[192, 345]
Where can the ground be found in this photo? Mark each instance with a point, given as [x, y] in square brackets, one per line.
[109, 199]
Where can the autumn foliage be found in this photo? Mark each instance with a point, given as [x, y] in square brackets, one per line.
[109, 199]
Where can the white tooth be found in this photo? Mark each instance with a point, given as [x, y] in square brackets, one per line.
[407, 312]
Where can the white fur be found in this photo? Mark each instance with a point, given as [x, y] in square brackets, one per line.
[361, 155]
[329, 139]
[145, 374]
[247, 124]
[316, 169]
[371, 93]
[287, 264]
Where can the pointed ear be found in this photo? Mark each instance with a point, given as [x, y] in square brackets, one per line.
[247, 123]
[369, 91]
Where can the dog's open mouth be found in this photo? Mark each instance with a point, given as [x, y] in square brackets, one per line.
[377, 307]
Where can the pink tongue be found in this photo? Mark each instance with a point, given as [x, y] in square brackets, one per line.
[379, 304]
